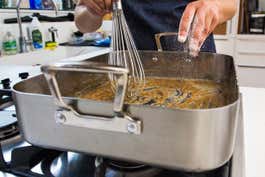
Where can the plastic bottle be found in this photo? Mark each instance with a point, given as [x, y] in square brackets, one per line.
[59, 4]
[9, 44]
[1, 4]
[68, 5]
[36, 33]
[11, 3]
[35, 4]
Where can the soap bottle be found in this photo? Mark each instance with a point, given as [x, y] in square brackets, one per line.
[36, 33]
[35, 4]
[59, 4]
[9, 44]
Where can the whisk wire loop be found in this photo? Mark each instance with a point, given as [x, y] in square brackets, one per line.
[124, 52]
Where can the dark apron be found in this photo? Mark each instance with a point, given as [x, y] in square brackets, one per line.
[149, 17]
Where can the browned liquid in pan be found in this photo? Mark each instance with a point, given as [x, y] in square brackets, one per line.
[167, 92]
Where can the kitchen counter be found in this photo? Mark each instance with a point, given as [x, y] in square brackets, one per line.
[254, 130]
[12, 66]
[41, 57]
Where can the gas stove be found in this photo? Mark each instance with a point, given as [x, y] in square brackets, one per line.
[29, 161]
[9, 76]
[12, 74]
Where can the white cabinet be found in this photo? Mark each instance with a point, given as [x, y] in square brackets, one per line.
[250, 59]
[249, 54]
[250, 50]
[225, 44]
[251, 76]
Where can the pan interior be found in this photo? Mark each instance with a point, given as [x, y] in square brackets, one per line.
[166, 92]
[208, 81]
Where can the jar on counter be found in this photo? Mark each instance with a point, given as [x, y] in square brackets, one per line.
[9, 44]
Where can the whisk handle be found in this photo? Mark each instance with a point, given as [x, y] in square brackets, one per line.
[117, 5]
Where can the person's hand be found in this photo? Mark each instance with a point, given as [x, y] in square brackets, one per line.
[201, 17]
[97, 7]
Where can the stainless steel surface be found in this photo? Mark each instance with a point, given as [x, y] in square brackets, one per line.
[238, 161]
[67, 115]
[22, 40]
[89, 67]
[171, 38]
[251, 66]
[158, 39]
[193, 140]
[74, 164]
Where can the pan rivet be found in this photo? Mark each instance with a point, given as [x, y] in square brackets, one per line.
[131, 127]
[60, 117]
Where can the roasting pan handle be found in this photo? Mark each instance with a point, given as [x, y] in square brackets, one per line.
[69, 116]
[158, 39]
[184, 47]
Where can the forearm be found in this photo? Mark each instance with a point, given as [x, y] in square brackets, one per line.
[228, 9]
[85, 20]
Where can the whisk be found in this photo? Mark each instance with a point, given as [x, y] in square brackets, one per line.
[124, 52]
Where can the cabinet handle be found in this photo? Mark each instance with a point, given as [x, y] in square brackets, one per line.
[249, 66]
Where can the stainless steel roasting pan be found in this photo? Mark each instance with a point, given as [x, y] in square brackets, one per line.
[191, 140]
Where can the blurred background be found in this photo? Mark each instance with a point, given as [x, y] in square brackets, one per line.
[242, 37]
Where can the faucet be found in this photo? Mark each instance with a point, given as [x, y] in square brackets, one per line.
[22, 40]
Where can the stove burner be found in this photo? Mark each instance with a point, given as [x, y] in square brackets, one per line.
[125, 166]
[9, 131]
[116, 168]
[8, 125]
[66, 164]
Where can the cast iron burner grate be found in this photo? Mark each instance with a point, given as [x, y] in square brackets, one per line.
[113, 168]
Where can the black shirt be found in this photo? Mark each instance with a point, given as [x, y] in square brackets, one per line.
[149, 17]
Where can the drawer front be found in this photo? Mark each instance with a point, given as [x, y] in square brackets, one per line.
[250, 59]
[225, 46]
[250, 52]
[249, 76]
[247, 46]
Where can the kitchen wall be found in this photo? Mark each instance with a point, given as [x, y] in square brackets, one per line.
[65, 29]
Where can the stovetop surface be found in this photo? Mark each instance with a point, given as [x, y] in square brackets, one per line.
[71, 164]
[31, 161]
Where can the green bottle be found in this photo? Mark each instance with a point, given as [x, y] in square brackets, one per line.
[36, 34]
[37, 39]
[9, 44]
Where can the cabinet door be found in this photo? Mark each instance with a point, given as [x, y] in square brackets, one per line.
[225, 45]
[251, 76]
[250, 50]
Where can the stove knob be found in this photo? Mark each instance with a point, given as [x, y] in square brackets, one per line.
[6, 83]
[23, 75]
